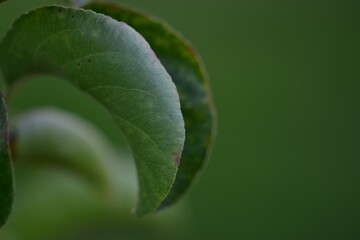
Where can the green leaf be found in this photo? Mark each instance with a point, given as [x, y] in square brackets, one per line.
[113, 63]
[6, 178]
[39, 213]
[53, 138]
[187, 71]
[50, 173]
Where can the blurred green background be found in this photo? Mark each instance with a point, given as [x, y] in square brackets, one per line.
[286, 82]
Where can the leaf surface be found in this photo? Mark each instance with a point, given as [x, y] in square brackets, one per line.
[6, 177]
[190, 77]
[110, 61]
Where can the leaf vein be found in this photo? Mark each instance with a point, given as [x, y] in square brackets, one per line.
[48, 39]
[118, 87]
[142, 132]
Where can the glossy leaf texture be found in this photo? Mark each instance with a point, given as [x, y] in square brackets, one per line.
[6, 176]
[190, 77]
[110, 61]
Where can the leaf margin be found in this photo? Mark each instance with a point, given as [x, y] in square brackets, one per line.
[141, 209]
[7, 186]
[195, 61]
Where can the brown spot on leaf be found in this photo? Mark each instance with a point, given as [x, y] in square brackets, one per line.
[177, 159]
[12, 143]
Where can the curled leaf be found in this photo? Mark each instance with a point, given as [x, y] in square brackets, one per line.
[110, 61]
[190, 77]
[53, 138]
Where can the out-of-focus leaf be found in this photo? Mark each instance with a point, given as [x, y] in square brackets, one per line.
[50, 137]
[190, 77]
[58, 205]
[85, 159]
[2, 1]
[110, 61]
[6, 178]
